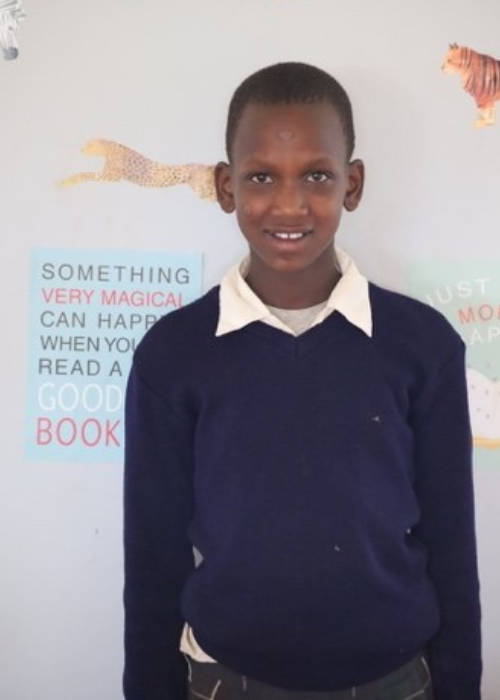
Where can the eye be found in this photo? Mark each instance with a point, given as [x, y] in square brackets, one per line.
[260, 178]
[318, 176]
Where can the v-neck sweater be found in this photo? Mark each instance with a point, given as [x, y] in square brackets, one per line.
[326, 481]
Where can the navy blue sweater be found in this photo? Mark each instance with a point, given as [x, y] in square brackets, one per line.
[326, 481]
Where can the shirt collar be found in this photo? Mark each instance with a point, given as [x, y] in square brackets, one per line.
[240, 306]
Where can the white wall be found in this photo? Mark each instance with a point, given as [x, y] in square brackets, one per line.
[157, 76]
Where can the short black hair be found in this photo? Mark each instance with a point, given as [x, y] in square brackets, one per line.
[290, 83]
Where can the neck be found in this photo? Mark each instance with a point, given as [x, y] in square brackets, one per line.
[293, 290]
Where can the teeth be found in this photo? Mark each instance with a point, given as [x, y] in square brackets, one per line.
[288, 236]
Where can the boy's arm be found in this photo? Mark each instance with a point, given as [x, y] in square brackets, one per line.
[444, 486]
[158, 555]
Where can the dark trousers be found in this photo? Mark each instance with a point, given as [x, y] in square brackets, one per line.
[208, 681]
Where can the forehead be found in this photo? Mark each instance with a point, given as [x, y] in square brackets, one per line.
[316, 127]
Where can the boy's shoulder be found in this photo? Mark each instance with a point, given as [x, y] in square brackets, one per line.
[184, 327]
[390, 302]
[410, 321]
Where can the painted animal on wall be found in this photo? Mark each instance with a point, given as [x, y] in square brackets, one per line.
[480, 78]
[11, 12]
[123, 163]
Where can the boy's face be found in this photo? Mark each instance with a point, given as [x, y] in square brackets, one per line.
[288, 182]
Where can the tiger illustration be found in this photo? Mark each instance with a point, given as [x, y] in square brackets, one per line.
[123, 163]
[480, 77]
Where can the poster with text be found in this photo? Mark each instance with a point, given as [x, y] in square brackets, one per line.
[88, 311]
[468, 294]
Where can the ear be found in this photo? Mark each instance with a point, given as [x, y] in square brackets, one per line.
[356, 180]
[223, 188]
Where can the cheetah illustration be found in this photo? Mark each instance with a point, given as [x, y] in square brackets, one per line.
[123, 163]
[11, 13]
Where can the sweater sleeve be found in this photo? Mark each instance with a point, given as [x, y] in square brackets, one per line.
[443, 481]
[158, 554]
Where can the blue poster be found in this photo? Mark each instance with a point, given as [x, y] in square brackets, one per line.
[89, 309]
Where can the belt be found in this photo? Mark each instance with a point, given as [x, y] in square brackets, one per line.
[413, 677]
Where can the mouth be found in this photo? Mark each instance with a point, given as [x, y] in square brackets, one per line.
[289, 235]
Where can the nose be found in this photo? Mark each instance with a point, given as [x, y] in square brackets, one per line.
[289, 198]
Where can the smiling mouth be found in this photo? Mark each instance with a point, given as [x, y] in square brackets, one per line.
[289, 235]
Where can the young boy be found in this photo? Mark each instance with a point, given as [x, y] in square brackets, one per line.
[307, 432]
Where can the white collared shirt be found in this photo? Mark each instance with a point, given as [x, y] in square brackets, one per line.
[240, 306]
